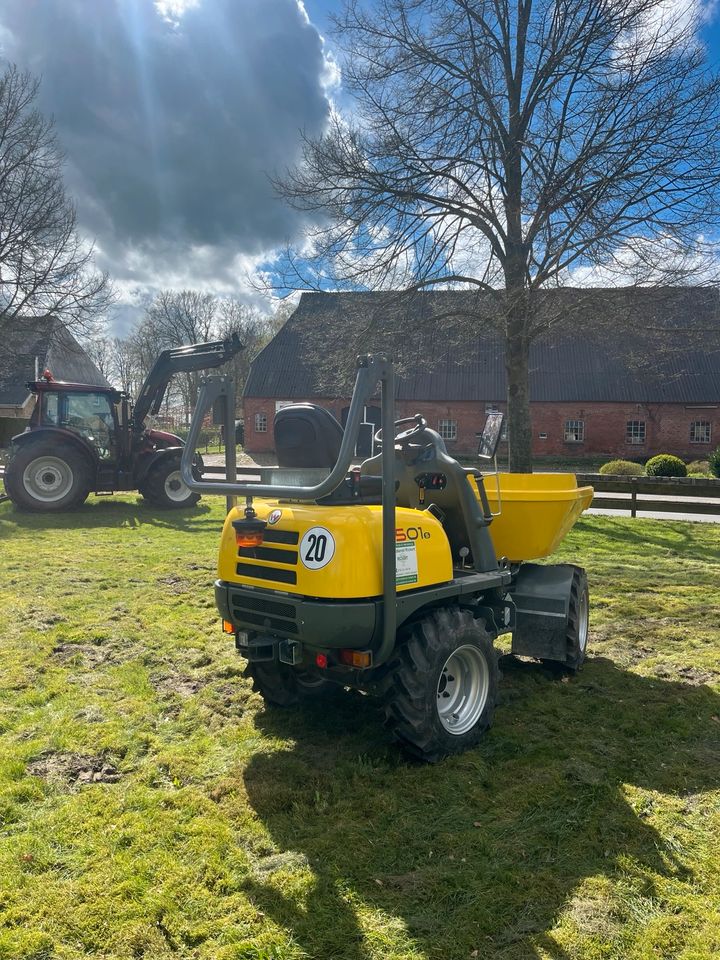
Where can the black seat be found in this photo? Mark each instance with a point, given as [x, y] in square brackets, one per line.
[306, 436]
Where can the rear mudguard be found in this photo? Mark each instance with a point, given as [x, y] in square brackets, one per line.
[542, 605]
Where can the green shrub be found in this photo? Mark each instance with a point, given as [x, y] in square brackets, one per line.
[698, 466]
[623, 468]
[700, 475]
[714, 462]
[665, 465]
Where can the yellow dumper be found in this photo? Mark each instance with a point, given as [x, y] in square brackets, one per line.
[533, 512]
[394, 577]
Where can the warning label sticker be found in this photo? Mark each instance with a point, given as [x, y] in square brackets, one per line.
[406, 568]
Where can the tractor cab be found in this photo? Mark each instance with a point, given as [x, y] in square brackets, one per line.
[96, 414]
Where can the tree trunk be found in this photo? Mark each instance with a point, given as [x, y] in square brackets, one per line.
[517, 355]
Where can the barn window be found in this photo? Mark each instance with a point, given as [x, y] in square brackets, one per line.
[260, 423]
[447, 429]
[700, 431]
[635, 431]
[574, 431]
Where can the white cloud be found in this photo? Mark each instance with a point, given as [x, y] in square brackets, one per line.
[174, 115]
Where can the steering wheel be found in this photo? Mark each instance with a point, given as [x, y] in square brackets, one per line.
[419, 424]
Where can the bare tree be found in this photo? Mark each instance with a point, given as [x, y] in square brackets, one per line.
[100, 349]
[45, 267]
[126, 369]
[251, 326]
[507, 145]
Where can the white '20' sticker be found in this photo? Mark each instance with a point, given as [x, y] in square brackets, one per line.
[317, 548]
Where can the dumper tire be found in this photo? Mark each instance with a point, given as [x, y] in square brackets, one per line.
[440, 689]
[165, 488]
[48, 476]
[281, 685]
[578, 615]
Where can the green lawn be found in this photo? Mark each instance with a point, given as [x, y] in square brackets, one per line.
[152, 808]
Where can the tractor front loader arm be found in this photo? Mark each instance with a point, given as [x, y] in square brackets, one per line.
[187, 359]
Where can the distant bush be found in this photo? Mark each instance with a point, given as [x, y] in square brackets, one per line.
[665, 465]
[700, 475]
[698, 466]
[623, 468]
[714, 463]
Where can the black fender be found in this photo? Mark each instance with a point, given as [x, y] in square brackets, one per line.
[58, 435]
[541, 593]
[148, 461]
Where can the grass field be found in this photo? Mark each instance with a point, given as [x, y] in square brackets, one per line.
[152, 808]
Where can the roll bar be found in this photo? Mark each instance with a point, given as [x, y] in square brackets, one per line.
[370, 370]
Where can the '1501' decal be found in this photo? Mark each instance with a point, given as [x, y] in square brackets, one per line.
[410, 533]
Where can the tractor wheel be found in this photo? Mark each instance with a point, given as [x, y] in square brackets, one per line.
[284, 686]
[577, 631]
[46, 476]
[440, 691]
[165, 487]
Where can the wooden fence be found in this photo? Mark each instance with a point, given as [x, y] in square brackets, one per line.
[654, 494]
[636, 494]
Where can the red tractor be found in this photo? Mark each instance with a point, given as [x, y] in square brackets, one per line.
[84, 438]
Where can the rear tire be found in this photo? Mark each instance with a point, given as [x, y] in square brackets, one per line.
[46, 477]
[577, 631]
[281, 685]
[440, 690]
[166, 489]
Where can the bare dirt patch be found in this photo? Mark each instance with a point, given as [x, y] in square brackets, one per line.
[85, 654]
[74, 768]
[692, 675]
[179, 684]
[175, 585]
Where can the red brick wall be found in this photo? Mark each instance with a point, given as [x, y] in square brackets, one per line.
[667, 426]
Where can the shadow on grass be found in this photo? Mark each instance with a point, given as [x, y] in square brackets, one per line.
[109, 513]
[673, 537]
[486, 850]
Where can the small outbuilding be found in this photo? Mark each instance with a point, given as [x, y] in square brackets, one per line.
[28, 346]
[623, 372]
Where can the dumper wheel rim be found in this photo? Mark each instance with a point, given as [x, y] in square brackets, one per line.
[462, 689]
[448, 642]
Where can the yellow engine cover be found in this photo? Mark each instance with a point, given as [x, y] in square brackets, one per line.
[334, 552]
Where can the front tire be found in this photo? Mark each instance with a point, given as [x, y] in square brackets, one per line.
[166, 489]
[46, 477]
[440, 691]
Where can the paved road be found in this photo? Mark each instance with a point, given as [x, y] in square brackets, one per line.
[653, 515]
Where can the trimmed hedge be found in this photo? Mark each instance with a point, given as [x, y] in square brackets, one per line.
[622, 468]
[665, 465]
[714, 462]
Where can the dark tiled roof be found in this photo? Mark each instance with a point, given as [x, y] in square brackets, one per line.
[636, 345]
[47, 339]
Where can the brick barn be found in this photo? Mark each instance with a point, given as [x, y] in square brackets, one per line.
[622, 377]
